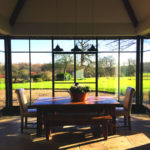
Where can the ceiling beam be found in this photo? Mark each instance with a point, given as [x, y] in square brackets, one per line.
[130, 12]
[144, 27]
[16, 11]
[5, 28]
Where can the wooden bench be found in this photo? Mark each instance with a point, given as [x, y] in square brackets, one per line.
[60, 120]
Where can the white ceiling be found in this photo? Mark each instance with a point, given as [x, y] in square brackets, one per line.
[75, 17]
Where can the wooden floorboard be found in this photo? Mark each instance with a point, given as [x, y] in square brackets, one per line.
[75, 137]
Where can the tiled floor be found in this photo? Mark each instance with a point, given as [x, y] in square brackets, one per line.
[75, 138]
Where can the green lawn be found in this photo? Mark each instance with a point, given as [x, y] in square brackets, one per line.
[109, 84]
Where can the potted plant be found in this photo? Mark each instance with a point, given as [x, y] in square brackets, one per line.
[79, 92]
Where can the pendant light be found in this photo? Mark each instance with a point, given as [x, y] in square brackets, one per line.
[57, 48]
[76, 49]
[92, 48]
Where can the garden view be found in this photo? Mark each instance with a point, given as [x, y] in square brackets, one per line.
[34, 70]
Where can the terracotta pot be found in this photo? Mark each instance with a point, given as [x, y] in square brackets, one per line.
[78, 97]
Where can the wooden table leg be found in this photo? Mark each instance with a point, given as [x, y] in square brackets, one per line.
[39, 122]
[113, 113]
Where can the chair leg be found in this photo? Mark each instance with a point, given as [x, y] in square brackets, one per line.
[125, 120]
[47, 128]
[129, 122]
[48, 132]
[105, 129]
[26, 121]
[22, 123]
[96, 130]
[111, 127]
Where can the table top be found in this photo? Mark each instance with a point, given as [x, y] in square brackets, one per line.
[57, 101]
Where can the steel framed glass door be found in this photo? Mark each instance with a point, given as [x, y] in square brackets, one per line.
[70, 68]
[74, 66]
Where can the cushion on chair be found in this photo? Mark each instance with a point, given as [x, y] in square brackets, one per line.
[30, 113]
[120, 111]
[32, 110]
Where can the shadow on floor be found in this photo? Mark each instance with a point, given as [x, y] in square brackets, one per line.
[143, 147]
[71, 137]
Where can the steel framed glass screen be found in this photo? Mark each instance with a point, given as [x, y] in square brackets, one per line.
[2, 74]
[116, 66]
[146, 73]
[43, 72]
[31, 68]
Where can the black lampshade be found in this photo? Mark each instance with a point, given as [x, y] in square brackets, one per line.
[75, 49]
[92, 48]
[57, 49]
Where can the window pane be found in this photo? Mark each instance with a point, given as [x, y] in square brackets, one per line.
[108, 45]
[84, 45]
[85, 68]
[2, 78]
[2, 45]
[66, 45]
[41, 75]
[146, 44]
[20, 75]
[108, 74]
[127, 72]
[20, 45]
[64, 71]
[41, 45]
[146, 74]
[128, 45]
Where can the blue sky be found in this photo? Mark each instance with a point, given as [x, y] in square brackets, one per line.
[67, 45]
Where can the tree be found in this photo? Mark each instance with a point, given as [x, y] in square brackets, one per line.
[46, 67]
[63, 60]
[101, 69]
[131, 69]
[46, 76]
[20, 73]
[90, 70]
[84, 46]
[107, 66]
[2, 69]
[86, 61]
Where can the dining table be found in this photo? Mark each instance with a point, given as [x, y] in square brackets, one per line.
[105, 104]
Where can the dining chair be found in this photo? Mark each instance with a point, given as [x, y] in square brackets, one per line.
[25, 112]
[127, 105]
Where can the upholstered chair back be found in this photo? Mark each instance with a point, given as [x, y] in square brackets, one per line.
[22, 100]
[128, 99]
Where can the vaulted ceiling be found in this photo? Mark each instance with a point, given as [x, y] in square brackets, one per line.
[74, 17]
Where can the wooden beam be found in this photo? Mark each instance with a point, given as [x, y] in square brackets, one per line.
[16, 12]
[130, 12]
[144, 27]
[5, 28]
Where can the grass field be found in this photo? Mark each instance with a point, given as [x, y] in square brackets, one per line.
[107, 84]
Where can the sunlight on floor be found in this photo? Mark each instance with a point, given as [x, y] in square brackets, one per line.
[81, 143]
[76, 137]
